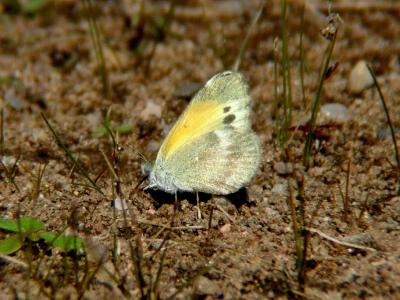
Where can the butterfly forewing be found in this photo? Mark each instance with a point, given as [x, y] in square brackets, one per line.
[223, 101]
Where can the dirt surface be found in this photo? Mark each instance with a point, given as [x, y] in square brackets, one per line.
[48, 66]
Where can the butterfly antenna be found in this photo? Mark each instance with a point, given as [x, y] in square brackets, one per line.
[142, 157]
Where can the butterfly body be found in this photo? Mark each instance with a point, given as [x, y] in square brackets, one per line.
[212, 147]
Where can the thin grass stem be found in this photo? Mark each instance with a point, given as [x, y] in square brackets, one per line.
[317, 101]
[71, 156]
[243, 45]
[389, 121]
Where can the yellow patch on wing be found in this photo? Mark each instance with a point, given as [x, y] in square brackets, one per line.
[198, 119]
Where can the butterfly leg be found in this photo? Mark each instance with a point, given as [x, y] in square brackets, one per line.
[211, 213]
[198, 206]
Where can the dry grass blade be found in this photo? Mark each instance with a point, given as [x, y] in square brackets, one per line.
[36, 186]
[243, 45]
[286, 76]
[360, 6]
[389, 120]
[71, 156]
[98, 46]
[302, 57]
[337, 241]
[1, 132]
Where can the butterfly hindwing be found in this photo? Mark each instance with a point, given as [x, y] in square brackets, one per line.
[220, 162]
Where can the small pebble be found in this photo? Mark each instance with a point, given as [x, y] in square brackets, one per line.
[225, 228]
[8, 161]
[120, 204]
[283, 168]
[360, 78]
[206, 287]
[385, 133]
[225, 204]
[14, 100]
[153, 146]
[280, 189]
[151, 109]
[335, 112]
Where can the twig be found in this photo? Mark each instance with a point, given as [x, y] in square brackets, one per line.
[346, 195]
[146, 222]
[14, 261]
[225, 213]
[337, 241]
[359, 6]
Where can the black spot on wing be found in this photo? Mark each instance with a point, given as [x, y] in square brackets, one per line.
[227, 109]
[229, 119]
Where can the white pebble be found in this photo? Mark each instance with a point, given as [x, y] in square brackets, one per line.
[360, 78]
[336, 112]
[120, 204]
[151, 109]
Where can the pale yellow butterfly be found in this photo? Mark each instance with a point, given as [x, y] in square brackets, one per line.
[212, 147]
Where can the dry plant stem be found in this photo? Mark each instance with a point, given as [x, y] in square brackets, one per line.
[302, 56]
[225, 213]
[98, 47]
[36, 187]
[146, 222]
[156, 285]
[364, 207]
[360, 6]
[389, 121]
[243, 45]
[346, 205]
[302, 273]
[298, 225]
[13, 260]
[317, 102]
[276, 83]
[10, 174]
[2, 133]
[337, 241]
[211, 215]
[287, 83]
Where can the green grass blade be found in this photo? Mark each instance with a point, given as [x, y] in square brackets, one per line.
[317, 101]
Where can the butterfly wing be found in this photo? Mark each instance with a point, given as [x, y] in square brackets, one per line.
[219, 162]
[211, 138]
[224, 100]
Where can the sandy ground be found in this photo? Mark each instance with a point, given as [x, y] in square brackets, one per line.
[48, 66]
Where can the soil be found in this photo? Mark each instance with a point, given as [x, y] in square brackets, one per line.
[349, 193]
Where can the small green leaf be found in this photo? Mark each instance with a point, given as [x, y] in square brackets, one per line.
[100, 131]
[34, 6]
[63, 241]
[30, 225]
[11, 244]
[25, 225]
[123, 128]
[10, 225]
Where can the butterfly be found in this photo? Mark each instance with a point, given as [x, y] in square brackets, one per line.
[212, 147]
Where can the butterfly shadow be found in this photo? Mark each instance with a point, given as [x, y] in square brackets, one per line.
[238, 198]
